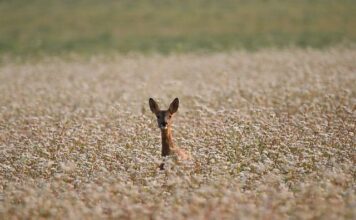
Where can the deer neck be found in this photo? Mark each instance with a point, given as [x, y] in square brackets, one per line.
[167, 141]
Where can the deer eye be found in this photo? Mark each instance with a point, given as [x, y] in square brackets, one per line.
[170, 116]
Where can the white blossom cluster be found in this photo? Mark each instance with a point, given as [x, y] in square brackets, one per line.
[271, 134]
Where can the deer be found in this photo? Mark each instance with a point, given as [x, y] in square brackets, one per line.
[164, 121]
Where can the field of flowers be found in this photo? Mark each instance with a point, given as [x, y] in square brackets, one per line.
[272, 135]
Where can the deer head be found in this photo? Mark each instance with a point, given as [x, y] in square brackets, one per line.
[164, 117]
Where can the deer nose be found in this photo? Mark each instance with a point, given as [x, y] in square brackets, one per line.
[164, 123]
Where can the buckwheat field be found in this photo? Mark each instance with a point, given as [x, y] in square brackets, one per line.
[271, 134]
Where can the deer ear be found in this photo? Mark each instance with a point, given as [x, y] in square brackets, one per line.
[153, 105]
[173, 107]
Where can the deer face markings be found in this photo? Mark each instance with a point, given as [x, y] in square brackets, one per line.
[164, 118]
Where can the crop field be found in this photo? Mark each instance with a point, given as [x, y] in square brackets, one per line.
[271, 133]
[171, 26]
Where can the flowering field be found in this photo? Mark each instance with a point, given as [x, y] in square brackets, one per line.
[271, 133]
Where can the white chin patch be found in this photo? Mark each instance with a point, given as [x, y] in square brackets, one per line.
[163, 127]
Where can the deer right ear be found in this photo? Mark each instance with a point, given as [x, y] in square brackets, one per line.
[153, 106]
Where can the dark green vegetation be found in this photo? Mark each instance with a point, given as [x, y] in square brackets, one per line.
[55, 27]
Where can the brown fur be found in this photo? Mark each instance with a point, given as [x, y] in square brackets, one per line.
[164, 120]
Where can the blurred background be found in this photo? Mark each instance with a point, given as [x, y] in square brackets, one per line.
[49, 27]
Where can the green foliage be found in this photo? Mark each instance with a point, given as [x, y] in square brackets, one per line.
[54, 27]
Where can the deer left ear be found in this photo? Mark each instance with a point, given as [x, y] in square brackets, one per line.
[173, 107]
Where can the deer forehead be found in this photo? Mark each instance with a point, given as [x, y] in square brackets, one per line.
[164, 115]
